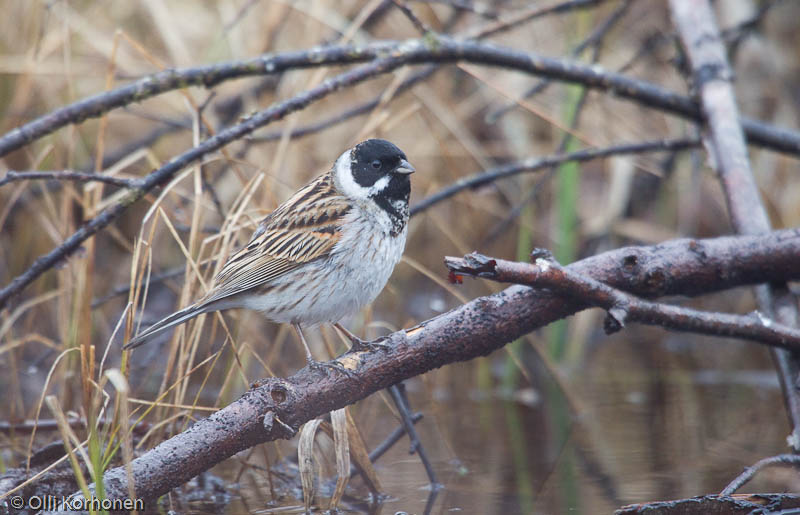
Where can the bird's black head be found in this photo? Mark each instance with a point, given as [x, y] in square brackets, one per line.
[374, 159]
[376, 169]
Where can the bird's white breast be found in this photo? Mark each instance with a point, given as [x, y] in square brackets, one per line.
[350, 277]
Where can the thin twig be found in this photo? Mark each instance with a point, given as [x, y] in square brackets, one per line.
[397, 391]
[623, 307]
[51, 424]
[418, 24]
[538, 163]
[525, 15]
[649, 46]
[594, 39]
[387, 443]
[349, 113]
[792, 460]
[393, 438]
[734, 36]
[480, 9]
[68, 175]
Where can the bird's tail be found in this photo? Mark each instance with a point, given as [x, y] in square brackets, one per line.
[174, 319]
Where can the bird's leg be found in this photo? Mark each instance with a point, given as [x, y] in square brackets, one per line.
[361, 345]
[320, 365]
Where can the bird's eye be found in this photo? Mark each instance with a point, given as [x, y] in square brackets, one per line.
[376, 164]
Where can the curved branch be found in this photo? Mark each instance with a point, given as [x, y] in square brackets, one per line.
[433, 48]
[169, 80]
[275, 408]
[537, 163]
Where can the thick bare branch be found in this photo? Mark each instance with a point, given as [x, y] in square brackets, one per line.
[474, 329]
[622, 307]
[739, 504]
[712, 76]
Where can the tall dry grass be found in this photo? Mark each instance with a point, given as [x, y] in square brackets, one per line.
[63, 335]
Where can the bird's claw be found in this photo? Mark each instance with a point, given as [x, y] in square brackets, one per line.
[324, 366]
[359, 345]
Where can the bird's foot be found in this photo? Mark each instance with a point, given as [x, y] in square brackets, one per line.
[359, 345]
[325, 366]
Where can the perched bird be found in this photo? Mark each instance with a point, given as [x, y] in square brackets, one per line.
[321, 255]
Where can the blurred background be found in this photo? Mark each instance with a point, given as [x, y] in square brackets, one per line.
[566, 419]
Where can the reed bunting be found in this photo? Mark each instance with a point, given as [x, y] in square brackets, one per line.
[321, 255]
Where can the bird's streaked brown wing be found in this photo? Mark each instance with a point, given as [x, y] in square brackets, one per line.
[302, 229]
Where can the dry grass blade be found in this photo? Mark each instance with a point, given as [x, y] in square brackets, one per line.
[341, 444]
[213, 117]
[20, 310]
[69, 438]
[42, 400]
[123, 390]
[435, 277]
[360, 456]
[305, 460]
[186, 254]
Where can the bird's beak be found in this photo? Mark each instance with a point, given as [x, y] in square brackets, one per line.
[404, 168]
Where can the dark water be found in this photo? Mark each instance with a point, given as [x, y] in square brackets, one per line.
[633, 421]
